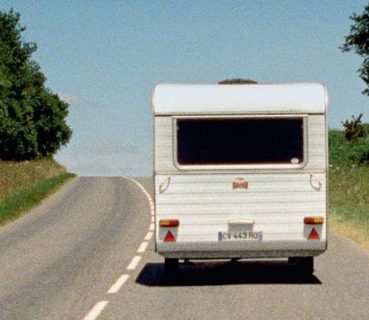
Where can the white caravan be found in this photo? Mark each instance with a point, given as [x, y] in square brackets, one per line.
[240, 171]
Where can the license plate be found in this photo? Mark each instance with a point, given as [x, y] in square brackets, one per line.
[239, 235]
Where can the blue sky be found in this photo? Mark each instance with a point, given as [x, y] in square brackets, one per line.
[105, 57]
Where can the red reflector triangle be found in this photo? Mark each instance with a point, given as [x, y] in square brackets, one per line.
[169, 237]
[313, 235]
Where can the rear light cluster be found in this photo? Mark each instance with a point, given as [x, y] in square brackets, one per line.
[169, 223]
[313, 220]
[315, 223]
[171, 234]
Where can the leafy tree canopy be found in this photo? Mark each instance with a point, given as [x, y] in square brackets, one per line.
[32, 118]
[358, 41]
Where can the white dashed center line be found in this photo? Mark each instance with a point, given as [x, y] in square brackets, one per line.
[119, 283]
[99, 307]
[149, 235]
[96, 310]
[142, 247]
[134, 263]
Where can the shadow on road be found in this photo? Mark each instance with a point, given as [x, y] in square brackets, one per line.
[225, 273]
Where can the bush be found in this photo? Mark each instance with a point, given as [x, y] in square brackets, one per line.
[354, 129]
[343, 152]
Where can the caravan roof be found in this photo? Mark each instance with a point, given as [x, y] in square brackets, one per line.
[171, 99]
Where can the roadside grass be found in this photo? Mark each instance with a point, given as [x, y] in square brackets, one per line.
[17, 175]
[19, 201]
[349, 202]
[24, 184]
[349, 187]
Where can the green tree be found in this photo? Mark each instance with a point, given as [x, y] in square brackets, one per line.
[32, 118]
[358, 41]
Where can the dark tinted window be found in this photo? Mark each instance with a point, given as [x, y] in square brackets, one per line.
[240, 141]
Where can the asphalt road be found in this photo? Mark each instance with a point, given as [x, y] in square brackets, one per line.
[68, 259]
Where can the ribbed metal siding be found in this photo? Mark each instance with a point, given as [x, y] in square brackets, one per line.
[277, 202]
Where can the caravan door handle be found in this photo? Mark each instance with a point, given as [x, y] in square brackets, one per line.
[316, 185]
[165, 184]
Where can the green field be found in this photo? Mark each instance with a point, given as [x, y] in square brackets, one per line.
[25, 184]
[349, 186]
[349, 202]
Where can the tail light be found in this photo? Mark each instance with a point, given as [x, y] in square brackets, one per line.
[313, 220]
[169, 223]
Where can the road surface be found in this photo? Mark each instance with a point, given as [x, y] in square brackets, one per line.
[86, 253]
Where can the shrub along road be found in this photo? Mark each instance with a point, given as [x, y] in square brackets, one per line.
[83, 255]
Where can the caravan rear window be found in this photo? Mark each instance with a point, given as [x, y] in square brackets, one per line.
[240, 141]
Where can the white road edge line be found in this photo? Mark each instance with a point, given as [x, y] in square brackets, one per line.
[119, 283]
[149, 235]
[96, 310]
[142, 247]
[151, 203]
[134, 263]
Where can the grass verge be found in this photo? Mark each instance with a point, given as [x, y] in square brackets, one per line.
[15, 175]
[17, 202]
[349, 202]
